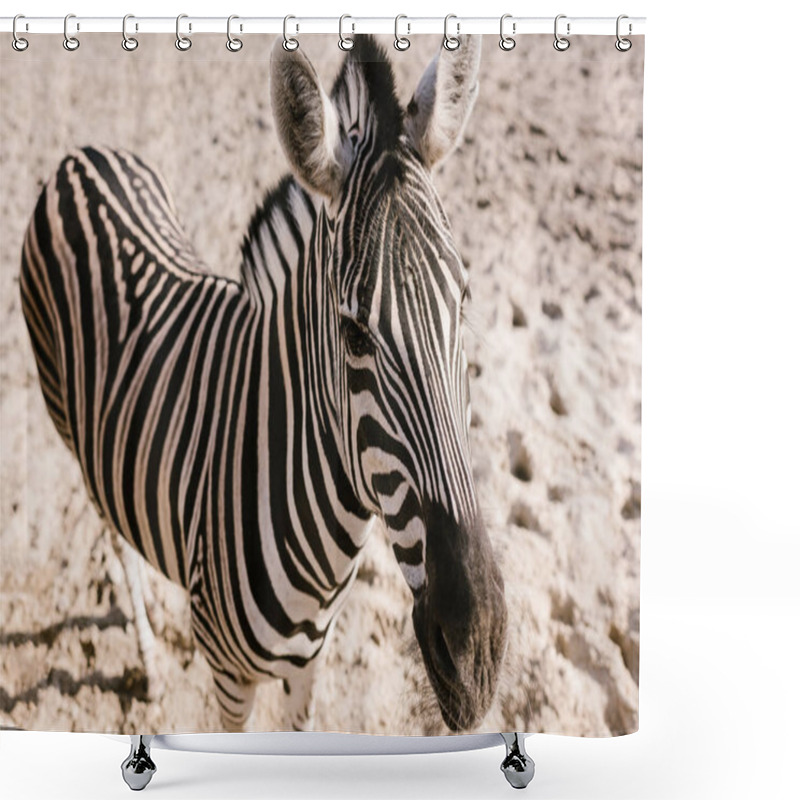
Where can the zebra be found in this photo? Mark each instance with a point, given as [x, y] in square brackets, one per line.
[244, 436]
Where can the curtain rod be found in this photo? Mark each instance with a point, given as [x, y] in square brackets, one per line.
[408, 25]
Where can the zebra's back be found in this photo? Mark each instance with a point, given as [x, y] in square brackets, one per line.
[122, 323]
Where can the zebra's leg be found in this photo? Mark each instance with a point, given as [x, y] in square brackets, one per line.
[300, 701]
[132, 567]
[235, 696]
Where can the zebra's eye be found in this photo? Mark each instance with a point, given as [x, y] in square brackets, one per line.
[356, 339]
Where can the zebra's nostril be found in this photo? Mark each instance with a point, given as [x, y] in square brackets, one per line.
[442, 654]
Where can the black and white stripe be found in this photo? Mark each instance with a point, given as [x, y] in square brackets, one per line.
[242, 435]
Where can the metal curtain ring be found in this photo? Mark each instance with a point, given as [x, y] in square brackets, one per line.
[129, 43]
[182, 42]
[290, 43]
[507, 42]
[17, 42]
[71, 43]
[623, 45]
[451, 42]
[560, 43]
[345, 42]
[401, 42]
[233, 44]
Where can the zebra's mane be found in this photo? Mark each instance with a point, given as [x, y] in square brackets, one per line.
[279, 207]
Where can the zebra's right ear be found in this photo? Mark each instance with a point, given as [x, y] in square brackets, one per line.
[443, 100]
[308, 125]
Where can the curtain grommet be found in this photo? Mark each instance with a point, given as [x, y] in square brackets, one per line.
[451, 42]
[507, 43]
[401, 43]
[290, 43]
[17, 42]
[183, 43]
[129, 43]
[623, 45]
[560, 42]
[346, 43]
[71, 43]
[233, 44]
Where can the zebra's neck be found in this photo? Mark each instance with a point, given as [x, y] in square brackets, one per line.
[306, 492]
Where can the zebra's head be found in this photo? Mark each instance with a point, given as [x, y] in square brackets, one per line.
[395, 288]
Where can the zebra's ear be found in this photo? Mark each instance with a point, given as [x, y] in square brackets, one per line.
[307, 123]
[443, 100]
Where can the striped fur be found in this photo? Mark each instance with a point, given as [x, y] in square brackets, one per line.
[242, 435]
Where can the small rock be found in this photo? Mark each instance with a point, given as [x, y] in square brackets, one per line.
[632, 509]
[552, 310]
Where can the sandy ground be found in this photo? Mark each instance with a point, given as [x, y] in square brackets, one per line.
[544, 196]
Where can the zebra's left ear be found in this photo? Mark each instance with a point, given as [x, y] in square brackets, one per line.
[308, 125]
[443, 100]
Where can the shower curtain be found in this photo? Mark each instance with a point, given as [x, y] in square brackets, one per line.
[378, 421]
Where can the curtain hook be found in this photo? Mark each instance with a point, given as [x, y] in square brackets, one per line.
[233, 44]
[401, 42]
[345, 42]
[182, 42]
[17, 42]
[129, 43]
[560, 43]
[71, 43]
[623, 45]
[507, 42]
[451, 42]
[290, 43]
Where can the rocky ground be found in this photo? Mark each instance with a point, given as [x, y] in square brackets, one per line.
[544, 196]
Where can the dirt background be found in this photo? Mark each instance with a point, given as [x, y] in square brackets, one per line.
[544, 197]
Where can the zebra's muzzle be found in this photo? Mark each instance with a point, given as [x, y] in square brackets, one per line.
[460, 621]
